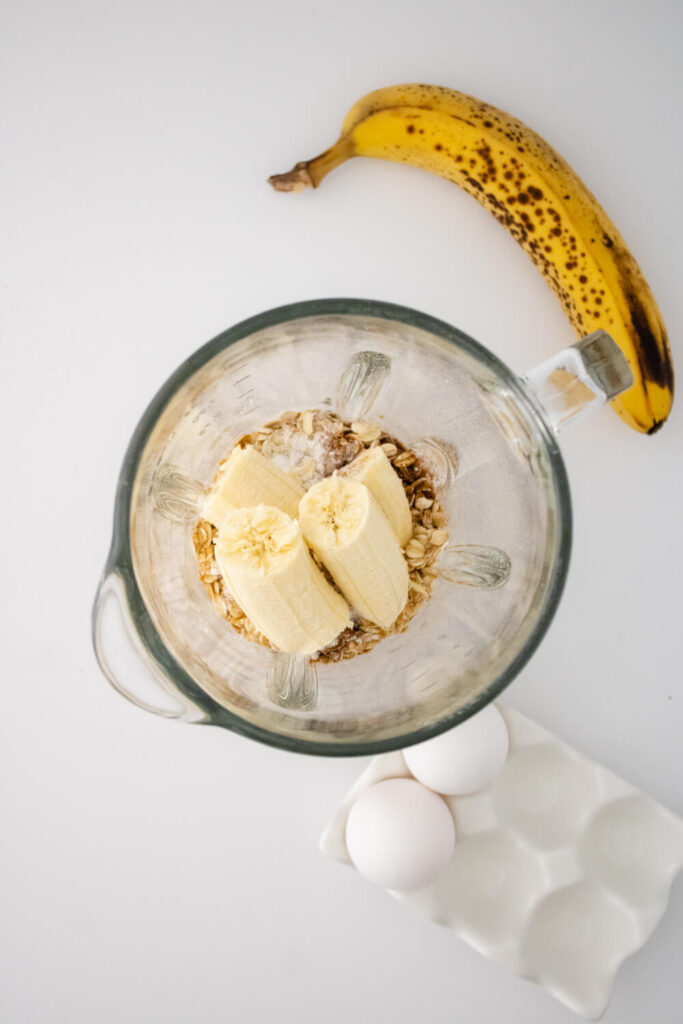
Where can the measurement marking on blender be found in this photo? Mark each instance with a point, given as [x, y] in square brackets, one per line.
[248, 403]
[408, 664]
[241, 380]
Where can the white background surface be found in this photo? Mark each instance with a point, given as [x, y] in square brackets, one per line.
[157, 872]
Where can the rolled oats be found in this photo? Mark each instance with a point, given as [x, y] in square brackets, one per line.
[307, 423]
[422, 503]
[367, 432]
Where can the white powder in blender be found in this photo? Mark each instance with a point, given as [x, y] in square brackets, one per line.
[315, 454]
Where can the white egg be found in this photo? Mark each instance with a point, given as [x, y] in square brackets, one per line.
[465, 759]
[400, 835]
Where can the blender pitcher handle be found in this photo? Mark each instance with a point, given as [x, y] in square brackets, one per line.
[579, 379]
[122, 660]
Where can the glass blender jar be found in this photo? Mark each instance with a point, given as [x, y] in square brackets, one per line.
[489, 437]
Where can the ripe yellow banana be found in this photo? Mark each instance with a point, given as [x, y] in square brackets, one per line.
[248, 478]
[272, 576]
[373, 469]
[354, 540]
[529, 189]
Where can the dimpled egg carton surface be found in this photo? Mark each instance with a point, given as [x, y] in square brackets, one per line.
[561, 870]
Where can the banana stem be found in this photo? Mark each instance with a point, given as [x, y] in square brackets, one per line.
[309, 173]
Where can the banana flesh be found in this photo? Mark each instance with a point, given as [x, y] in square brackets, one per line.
[270, 571]
[354, 540]
[545, 206]
[248, 478]
[373, 469]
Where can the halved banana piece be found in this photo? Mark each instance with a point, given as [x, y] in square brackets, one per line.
[272, 576]
[373, 469]
[354, 540]
[247, 479]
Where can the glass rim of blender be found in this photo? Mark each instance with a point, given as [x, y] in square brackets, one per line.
[120, 561]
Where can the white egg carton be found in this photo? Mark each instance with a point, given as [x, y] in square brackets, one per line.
[561, 869]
